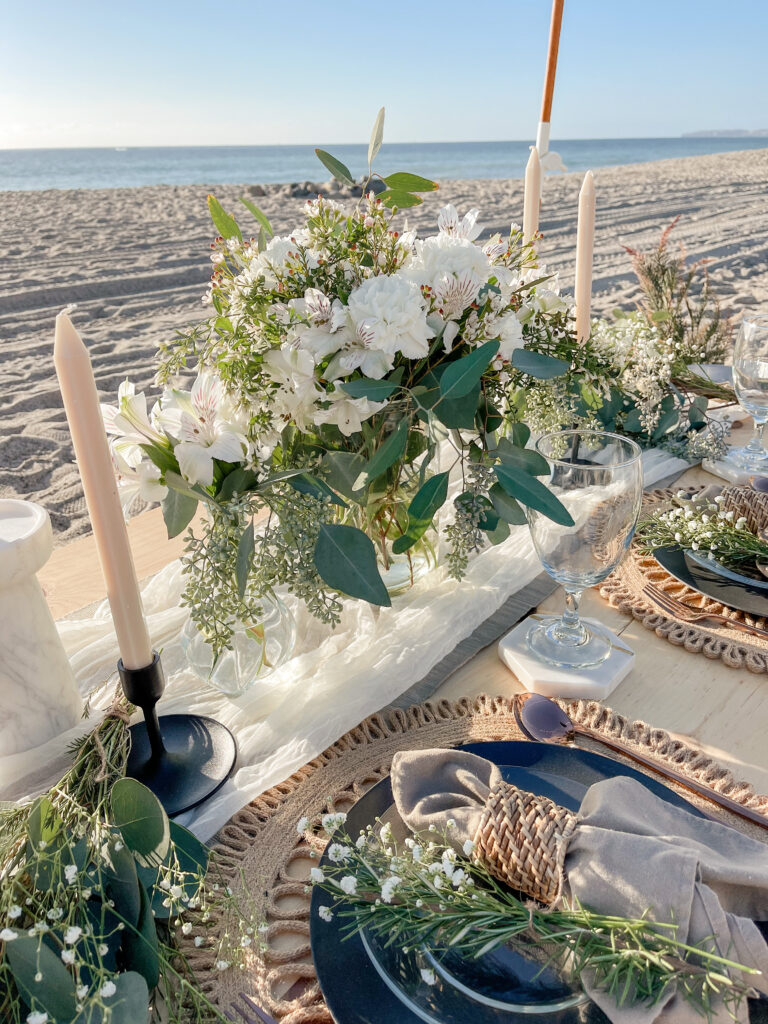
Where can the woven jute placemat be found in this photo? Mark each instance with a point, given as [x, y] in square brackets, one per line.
[624, 590]
[262, 854]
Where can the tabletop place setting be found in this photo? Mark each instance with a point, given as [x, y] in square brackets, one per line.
[424, 675]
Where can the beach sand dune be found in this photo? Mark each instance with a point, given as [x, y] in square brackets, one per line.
[135, 262]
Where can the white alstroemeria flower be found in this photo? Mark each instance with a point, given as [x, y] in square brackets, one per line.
[346, 412]
[441, 257]
[206, 426]
[360, 353]
[134, 482]
[510, 334]
[454, 293]
[448, 223]
[391, 312]
[547, 300]
[294, 371]
[270, 265]
[130, 422]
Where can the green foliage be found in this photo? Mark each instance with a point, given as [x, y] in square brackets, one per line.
[346, 560]
[539, 365]
[336, 167]
[224, 222]
[430, 497]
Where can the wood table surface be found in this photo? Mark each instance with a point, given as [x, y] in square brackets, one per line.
[724, 710]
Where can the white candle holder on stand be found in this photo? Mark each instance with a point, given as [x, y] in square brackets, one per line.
[39, 698]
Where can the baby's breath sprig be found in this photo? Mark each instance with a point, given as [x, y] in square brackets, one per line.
[704, 527]
[424, 893]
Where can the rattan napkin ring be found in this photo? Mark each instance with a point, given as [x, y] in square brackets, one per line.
[522, 840]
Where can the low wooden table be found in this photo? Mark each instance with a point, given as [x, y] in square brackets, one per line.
[725, 711]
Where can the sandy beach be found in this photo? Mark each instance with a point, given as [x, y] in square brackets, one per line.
[136, 262]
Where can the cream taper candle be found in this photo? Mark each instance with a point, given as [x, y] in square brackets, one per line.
[81, 403]
[585, 244]
[532, 196]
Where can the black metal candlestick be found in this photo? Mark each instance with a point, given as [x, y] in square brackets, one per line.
[183, 759]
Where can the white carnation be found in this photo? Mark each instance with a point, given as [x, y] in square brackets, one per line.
[392, 311]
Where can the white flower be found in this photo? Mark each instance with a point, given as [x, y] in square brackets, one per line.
[14, 911]
[394, 315]
[316, 875]
[325, 913]
[348, 884]
[360, 841]
[177, 892]
[186, 928]
[70, 873]
[338, 853]
[331, 822]
[388, 887]
[442, 261]
[347, 413]
[103, 949]
[385, 833]
[68, 956]
[271, 263]
[222, 965]
[202, 420]
[302, 825]
[81, 991]
[510, 334]
[107, 989]
[8, 935]
[37, 1017]
[130, 422]
[428, 976]
[468, 848]
[459, 877]
[294, 371]
[72, 934]
[199, 940]
[448, 223]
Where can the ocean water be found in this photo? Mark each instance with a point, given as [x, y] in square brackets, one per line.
[30, 169]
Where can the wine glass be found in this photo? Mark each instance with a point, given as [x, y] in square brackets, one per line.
[750, 381]
[599, 478]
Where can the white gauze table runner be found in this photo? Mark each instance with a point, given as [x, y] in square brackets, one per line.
[334, 680]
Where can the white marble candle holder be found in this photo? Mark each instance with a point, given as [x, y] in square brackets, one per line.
[39, 698]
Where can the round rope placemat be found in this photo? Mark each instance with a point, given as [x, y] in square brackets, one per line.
[624, 590]
[264, 858]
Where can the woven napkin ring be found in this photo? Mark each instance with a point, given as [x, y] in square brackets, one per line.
[522, 840]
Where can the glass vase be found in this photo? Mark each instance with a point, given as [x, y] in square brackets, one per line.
[257, 649]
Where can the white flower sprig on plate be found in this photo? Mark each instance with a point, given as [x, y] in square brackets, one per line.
[704, 527]
[424, 893]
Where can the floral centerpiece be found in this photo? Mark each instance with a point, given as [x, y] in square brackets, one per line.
[367, 396]
[347, 372]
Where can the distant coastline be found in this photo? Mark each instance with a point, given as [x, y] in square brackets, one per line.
[727, 133]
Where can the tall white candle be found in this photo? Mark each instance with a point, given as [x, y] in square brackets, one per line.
[585, 244]
[81, 402]
[532, 195]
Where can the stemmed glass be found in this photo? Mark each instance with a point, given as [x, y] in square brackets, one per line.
[599, 478]
[750, 381]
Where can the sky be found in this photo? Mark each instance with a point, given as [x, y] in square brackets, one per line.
[258, 72]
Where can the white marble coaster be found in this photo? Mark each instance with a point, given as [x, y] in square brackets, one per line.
[539, 677]
[728, 470]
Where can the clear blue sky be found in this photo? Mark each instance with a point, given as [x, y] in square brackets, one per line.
[183, 72]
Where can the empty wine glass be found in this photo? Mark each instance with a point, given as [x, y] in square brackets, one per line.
[599, 478]
[750, 381]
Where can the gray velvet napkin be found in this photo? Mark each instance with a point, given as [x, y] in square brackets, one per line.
[631, 853]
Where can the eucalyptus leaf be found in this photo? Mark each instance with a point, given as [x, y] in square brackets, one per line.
[667, 420]
[538, 365]
[500, 533]
[404, 181]
[128, 1005]
[521, 434]
[377, 137]
[245, 548]
[632, 422]
[308, 484]
[343, 469]
[56, 993]
[459, 413]
[239, 481]
[364, 387]
[392, 449]
[531, 492]
[178, 511]
[121, 880]
[430, 497]
[142, 821]
[224, 223]
[399, 200]
[336, 167]
[346, 559]
[523, 458]
[464, 374]
[140, 946]
[508, 509]
[264, 224]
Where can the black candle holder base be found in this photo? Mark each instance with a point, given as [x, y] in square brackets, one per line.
[183, 759]
[198, 759]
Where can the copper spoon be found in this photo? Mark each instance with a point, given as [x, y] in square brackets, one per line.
[543, 720]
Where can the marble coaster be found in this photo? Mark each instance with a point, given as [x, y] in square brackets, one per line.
[730, 471]
[539, 677]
